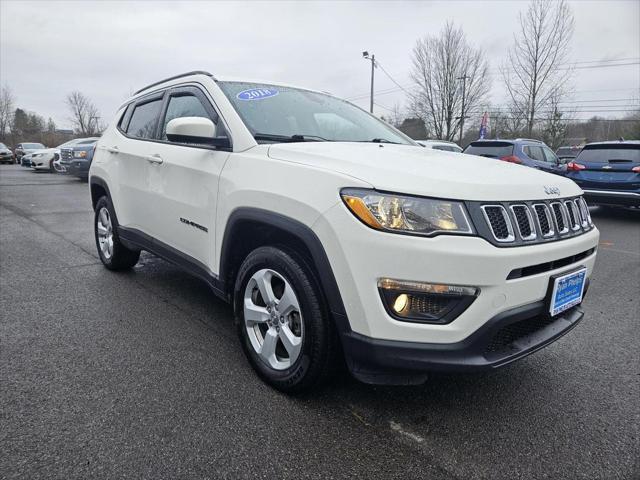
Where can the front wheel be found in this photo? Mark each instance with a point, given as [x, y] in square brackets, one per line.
[113, 254]
[282, 322]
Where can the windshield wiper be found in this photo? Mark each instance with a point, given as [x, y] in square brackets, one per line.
[289, 138]
[380, 140]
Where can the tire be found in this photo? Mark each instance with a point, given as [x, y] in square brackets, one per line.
[51, 167]
[312, 351]
[113, 254]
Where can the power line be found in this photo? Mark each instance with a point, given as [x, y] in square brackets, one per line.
[392, 79]
[409, 85]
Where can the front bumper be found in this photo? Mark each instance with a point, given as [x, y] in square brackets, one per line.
[78, 168]
[612, 197]
[507, 278]
[503, 339]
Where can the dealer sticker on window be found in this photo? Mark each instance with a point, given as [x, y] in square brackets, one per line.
[567, 291]
[257, 93]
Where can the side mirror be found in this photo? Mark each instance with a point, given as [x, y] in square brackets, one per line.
[195, 130]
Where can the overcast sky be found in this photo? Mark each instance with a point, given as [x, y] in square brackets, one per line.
[109, 49]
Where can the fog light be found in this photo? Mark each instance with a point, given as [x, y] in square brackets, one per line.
[425, 302]
[401, 302]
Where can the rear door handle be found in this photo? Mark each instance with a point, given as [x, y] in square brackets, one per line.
[155, 158]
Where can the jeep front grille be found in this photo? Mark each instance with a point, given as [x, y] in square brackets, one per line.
[499, 222]
[528, 222]
[524, 222]
[560, 216]
[545, 223]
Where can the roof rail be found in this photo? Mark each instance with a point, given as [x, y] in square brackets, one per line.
[529, 140]
[195, 72]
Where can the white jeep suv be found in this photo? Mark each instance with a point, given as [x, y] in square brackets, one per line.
[335, 236]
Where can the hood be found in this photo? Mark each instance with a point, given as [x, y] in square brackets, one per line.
[426, 172]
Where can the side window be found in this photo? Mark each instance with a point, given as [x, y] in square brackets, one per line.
[183, 106]
[534, 153]
[144, 119]
[550, 156]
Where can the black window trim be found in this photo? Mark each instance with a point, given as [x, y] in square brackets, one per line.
[197, 89]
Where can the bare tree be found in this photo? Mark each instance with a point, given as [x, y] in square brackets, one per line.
[554, 123]
[7, 107]
[452, 79]
[84, 114]
[535, 72]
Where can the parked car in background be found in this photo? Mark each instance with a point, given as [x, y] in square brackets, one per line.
[25, 160]
[568, 153]
[76, 159]
[44, 159]
[523, 151]
[608, 172]
[440, 145]
[23, 148]
[6, 155]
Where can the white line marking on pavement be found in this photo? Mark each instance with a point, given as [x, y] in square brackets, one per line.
[396, 427]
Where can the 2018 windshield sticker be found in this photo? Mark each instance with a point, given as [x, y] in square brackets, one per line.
[257, 93]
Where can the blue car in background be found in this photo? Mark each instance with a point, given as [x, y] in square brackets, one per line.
[76, 159]
[608, 172]
[523, 151]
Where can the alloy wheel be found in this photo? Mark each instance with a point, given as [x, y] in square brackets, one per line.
[105, 233]
[273, 319]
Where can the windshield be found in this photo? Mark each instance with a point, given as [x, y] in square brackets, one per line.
[32, 145]
[490, 149]
[610, 153]
[269, 110]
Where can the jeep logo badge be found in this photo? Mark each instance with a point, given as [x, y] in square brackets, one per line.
[551, 190]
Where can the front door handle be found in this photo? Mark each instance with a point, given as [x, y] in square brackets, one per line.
[113, 149]
[155, 158]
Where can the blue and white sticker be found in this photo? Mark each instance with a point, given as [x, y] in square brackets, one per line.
[257, 93]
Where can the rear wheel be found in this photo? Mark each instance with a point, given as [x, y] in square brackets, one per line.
[282, 322]
[113, 254]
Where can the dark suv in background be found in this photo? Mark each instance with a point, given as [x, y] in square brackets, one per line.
[568, 153]
[608, 172]
[523, 151]
[76, 159]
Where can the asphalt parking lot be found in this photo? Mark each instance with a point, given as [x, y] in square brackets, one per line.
[140, 375]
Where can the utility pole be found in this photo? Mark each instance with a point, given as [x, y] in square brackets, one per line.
[464, 92]
[373, 65]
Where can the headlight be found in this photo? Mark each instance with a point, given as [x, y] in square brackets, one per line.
[402, 213]
[82, 154]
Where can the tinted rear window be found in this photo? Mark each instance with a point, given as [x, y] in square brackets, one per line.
[610, 153]
[490, 149]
